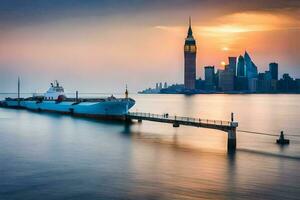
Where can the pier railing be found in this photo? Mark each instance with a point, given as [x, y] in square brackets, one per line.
[227, 126]
[179, 118]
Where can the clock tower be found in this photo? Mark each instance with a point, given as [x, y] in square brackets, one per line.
[190, 51]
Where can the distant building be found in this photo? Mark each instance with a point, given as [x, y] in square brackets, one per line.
[200, 84]
[227, 67]
[156, 86]
[226, 80]
[232, 64]
[241, 83]
[173, 89]
[251, 68]
[274, 85]
[217, 79]
[264, 82]
[241, 67]
[287, 84]
[160, 86]
[252, 85]
[190, 50]
[273, 68]
[209, 73]
[268, 75]
[298, 85]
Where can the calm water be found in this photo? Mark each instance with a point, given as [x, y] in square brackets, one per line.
[50, 156]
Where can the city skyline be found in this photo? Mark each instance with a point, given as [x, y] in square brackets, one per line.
[80, 48]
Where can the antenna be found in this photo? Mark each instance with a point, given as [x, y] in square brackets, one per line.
[190, 21]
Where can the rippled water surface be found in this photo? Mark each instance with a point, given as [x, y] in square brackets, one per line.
[52, 156]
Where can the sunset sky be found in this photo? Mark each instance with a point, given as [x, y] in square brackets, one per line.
[99, 46]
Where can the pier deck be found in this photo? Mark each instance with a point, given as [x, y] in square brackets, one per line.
[226, 126]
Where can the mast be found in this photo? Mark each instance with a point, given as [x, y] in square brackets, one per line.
[126, 92]
[18, 91]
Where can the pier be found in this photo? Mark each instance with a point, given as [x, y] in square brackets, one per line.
[227, 126]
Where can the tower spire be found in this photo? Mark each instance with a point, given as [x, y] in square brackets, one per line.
[190, 32]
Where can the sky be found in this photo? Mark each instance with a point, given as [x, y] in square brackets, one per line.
[100, 46]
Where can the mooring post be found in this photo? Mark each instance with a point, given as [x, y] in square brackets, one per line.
[282, 140]
[231, 141]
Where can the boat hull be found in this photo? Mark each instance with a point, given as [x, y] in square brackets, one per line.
[116, 108]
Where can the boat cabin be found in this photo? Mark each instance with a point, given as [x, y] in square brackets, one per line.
[54, 92]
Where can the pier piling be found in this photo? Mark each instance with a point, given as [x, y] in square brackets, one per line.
[175, 124]
[231, 141]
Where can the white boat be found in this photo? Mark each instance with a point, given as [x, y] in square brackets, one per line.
[55, 100]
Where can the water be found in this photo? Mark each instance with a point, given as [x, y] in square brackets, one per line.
[52, 156]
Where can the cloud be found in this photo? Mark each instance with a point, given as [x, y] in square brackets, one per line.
[243, 23]
[20, 12]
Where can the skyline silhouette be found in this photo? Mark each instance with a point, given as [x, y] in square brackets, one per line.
[95, 46]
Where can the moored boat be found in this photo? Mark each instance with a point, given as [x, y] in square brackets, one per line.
[55, 100]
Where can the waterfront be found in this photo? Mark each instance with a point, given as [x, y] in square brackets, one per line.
[53, 156]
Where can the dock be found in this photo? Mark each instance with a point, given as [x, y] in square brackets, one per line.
[226, 126]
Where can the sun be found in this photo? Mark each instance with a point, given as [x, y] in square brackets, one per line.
[225, 49]
[223, 63]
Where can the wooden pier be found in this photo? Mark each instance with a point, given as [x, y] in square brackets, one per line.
[227, 126]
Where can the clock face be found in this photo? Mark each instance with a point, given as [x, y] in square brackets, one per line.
[193, 48]
[190, 48]
[186, 48]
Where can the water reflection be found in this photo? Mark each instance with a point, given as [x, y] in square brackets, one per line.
[63, 157]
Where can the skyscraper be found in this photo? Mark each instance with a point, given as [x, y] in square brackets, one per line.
[226, 80]
[273, 68]
[241, 67]
[190, 50]
[251, 68]
[209, 77]
[232, 64]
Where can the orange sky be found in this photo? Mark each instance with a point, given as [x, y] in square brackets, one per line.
[102, 54]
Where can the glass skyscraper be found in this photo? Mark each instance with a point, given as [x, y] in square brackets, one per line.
[241, 67]
[251, 68]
